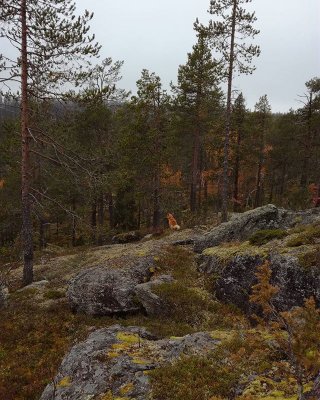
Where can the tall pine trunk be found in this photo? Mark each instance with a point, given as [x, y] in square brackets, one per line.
[258, 197]
[100, 216]
[156, 200]
[26, 233]
[111, 210]
[236, 206]
[225, 184]
[74, 224]
[195, 170]
[94, 221]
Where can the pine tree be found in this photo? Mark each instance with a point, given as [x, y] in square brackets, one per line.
[51, 43]
[239, 113]
[197, 94]
[229, 38]
[262, 115]
[309, 118]
[144, 142]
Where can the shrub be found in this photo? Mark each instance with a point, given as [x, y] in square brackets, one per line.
[264, 236]
[185, 304]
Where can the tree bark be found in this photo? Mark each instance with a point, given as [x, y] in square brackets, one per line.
[236, 174]
[111, 210]
[225, 184]
[27, 231]
[156, 202]
[94, 221]
[74, 225]
[100, 209]
[271, 187]
[100, 212]
[257, 201]
[195, 170]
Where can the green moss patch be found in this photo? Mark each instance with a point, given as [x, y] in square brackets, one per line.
[214, 376]
[264, 236]
[53, 294]
[311, 235]
[228, 251]
[185, 304]
[310, 258]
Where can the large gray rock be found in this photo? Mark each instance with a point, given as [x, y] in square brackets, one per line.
[237, 276]
[103, 291]
[243, 226]
[4, 293]
[305, 217]
[150, 301]
[113, 361]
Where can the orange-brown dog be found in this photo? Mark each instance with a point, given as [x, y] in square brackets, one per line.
[172, 222]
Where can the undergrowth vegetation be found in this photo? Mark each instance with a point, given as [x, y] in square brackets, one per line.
[264, 236]
[247, 364]
[35, 335]
[309, 235]
[189, 299]
[219, 375]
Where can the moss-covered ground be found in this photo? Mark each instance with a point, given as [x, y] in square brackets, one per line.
[37, 330]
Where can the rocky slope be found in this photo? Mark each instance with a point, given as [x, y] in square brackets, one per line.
[163, 284]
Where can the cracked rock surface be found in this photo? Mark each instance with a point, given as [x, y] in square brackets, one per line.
[115, 362]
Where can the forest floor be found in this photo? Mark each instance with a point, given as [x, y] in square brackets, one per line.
[38, 328]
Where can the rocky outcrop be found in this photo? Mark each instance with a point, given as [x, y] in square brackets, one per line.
[151, 302]
[4, 293]
[236, 277]
[305, 217]
[113, 363]
[243, 226]
[107, 291]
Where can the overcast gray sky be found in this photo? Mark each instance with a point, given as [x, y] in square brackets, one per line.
[157, 34]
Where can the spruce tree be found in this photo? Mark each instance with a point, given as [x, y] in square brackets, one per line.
[51, 44]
